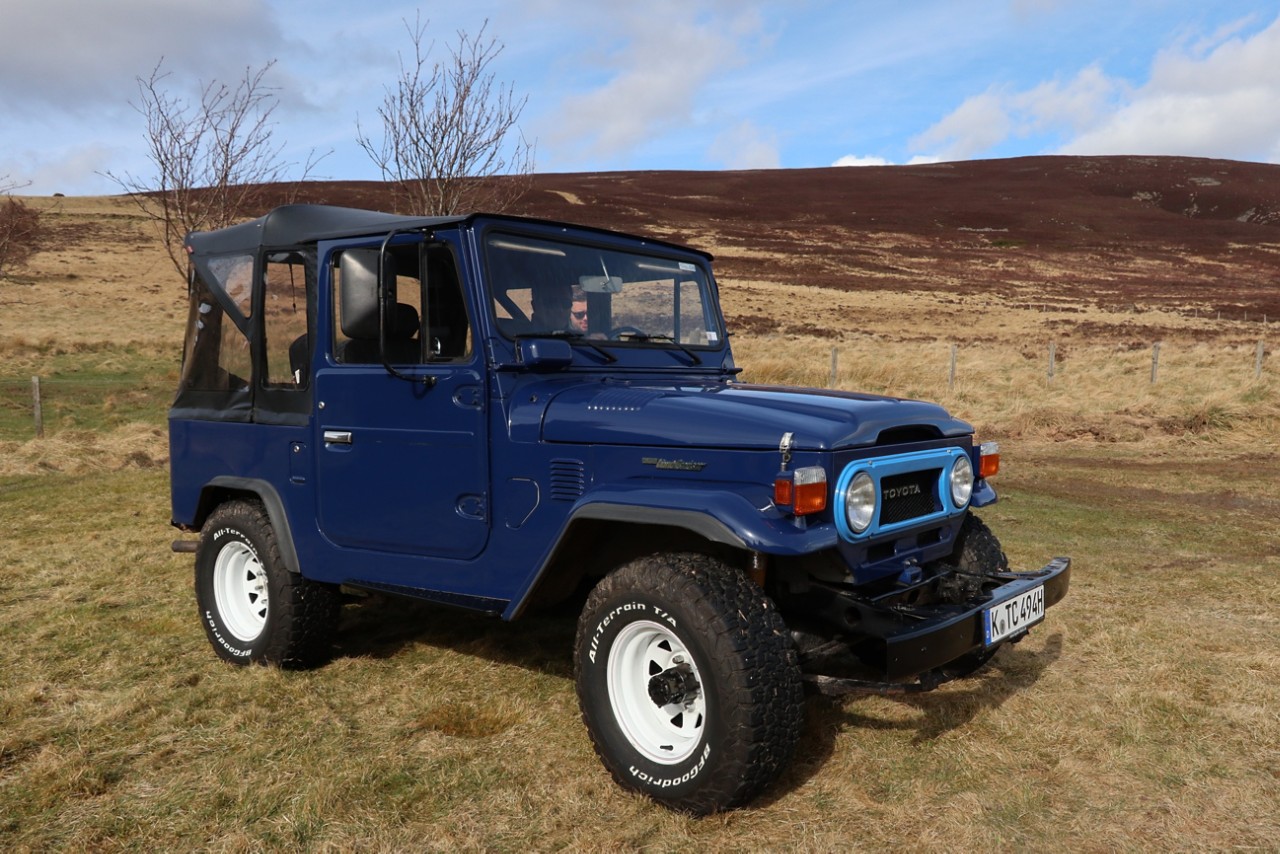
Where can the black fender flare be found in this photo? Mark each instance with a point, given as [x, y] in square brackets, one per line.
[217, 490]
[731, 521]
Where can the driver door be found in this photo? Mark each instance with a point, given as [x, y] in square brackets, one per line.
[402, 459]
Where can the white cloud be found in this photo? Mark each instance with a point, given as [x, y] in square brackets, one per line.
[652, 62]
[1217, 97]
[71, 56]
[746, 146]
[1219, 100]
[979, 123]
[1077, 104]
[855, 160]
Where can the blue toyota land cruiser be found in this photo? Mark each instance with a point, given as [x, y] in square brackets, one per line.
[496, 412]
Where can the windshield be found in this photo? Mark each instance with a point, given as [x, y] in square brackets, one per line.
[546, 287]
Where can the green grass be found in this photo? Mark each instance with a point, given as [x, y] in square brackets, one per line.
[87, 387]
[1141, 716]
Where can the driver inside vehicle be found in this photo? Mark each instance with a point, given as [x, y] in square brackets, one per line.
[578, 311]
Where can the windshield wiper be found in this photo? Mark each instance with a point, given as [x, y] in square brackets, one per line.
[573, 338]
[645, 336]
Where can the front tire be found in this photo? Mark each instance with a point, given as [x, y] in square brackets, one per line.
[687, 682]
[977, 561]
[254, 610]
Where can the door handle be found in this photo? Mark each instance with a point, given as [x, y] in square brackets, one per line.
[337, 437]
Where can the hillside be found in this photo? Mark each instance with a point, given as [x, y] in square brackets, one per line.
[1174, 232]
[960, 282]
[1189, 238]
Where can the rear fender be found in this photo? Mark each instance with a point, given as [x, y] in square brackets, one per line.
[223, 489]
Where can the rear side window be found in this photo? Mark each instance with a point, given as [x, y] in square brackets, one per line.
[284, 319]
[217, 355]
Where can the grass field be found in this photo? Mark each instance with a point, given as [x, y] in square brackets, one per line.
[1144, 715]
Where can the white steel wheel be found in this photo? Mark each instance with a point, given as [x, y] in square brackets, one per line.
[240, 590]
[253, 609]
[656, 693]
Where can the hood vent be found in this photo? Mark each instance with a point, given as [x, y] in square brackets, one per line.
[622, 400]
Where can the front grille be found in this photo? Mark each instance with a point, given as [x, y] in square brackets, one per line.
[908, 496]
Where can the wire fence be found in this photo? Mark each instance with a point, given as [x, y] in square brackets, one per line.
[1051, 363]
[33, 406]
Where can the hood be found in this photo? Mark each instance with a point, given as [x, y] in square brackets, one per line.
[734, 416]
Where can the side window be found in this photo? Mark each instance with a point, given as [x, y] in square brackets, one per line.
[447, 325]
[284, 319]
[356, 316]
[426, 318]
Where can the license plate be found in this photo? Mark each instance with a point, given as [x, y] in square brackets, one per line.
[1013, 615]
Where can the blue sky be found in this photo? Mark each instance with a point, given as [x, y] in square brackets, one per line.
[667, 84]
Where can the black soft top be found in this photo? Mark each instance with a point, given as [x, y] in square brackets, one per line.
[290, 225]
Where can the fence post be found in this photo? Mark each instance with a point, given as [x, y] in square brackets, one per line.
[1155, 361]
[951, 374]
[35, 406]
[1053, 358]
[1257, 361]
[835, 367]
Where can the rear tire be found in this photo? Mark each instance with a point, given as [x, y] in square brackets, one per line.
[687, 682]
[254, 610]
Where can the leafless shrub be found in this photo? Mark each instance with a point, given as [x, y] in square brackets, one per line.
[215, 161]
[450, 141]
[21, 229]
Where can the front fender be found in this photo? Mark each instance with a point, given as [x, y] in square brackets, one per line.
[723, 517]
[729, 518]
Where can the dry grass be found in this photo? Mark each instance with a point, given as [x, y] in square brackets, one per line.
[1141, 717]
[75, 293]
[85, 451]
[1206, 389]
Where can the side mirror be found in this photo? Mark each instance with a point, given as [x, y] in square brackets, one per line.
[360, 309]
[545, 354]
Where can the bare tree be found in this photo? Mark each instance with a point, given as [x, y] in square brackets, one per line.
[21, 229]
[215, 161]
[450, 142]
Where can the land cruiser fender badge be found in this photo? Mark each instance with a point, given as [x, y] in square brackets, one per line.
[672, 465]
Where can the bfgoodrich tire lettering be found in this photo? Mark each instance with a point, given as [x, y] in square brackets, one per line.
[687, 682]
[252, 608]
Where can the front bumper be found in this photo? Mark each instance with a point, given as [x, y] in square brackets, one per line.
[905, 643]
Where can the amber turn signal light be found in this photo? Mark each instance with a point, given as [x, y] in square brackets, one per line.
[803, 490]
[988, 459]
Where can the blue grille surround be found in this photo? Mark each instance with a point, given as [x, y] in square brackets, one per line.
[892, 468]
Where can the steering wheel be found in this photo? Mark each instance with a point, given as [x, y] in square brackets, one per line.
[618, 331]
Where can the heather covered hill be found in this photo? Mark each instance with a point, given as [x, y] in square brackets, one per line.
[1176, 232]
[1187, 234]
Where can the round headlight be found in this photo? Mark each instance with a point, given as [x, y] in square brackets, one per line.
[961, 481]
[860, 502]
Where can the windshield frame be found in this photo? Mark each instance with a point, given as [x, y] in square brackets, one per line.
[551, 259]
